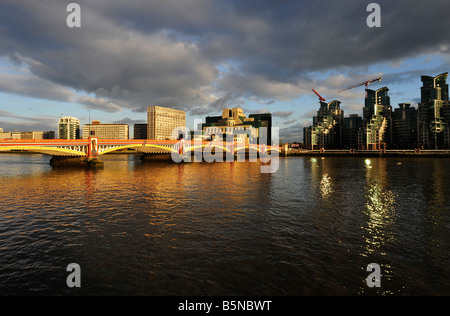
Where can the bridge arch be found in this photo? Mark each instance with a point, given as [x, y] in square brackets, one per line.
[137, 146]
[192, 148]
[51, 151]
[259, 149]
[247, 147]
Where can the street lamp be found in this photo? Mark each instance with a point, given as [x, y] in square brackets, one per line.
[89, 124]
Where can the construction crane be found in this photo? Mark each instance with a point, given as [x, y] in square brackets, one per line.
[366, 83]
[320, 97]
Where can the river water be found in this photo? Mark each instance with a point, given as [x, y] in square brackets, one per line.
[153, 228]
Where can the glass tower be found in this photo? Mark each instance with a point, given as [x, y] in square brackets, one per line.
[432, 111]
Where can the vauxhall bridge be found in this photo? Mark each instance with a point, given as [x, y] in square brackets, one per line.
[87, 152]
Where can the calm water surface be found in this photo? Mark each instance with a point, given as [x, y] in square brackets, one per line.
[224, 228]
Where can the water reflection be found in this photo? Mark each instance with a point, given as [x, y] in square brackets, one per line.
[380, 207]
[326, 186]
[434, 204]
[229, 185]
[438, 194]
[222, 228]
[327, 177]
[320, 176]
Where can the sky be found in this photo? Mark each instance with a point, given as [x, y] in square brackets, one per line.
[201, 56]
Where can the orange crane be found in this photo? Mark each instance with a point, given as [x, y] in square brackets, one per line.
[366, 83]
[320, 97]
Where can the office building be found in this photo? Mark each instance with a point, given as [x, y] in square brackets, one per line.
[351, 127]
[263, 120]
[106, 131]
[404, 127]
[140, 131]
[434, 113]
[27, 135]
[69, 128]
[5, 135]
[38, 135]
[307, 137]
[162, 122]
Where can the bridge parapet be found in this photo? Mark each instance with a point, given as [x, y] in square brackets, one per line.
[94, 147]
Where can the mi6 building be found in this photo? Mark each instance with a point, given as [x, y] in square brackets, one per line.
[235, 124]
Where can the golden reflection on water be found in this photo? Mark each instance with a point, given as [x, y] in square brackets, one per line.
[229, 183]
[170, 216]
[379, 207]
[161, 194]
[321, 178]
[326, 186]
[157, 180]
[373, 203]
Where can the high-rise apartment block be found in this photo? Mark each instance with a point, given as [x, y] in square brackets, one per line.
[326, 131]
[434, 113]
[69, 128]
[376, 133]
[163, 121]
[379, 128]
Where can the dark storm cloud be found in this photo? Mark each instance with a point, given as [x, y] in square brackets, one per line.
[200, 54]
[32, 86]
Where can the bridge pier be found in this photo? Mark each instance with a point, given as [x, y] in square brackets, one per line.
[76, 162]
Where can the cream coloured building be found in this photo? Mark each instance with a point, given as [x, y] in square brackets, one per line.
[163, 121]
[235, 124]
[27, 135]
[106, 131]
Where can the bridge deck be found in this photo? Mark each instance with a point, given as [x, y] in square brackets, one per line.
[84, 147]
